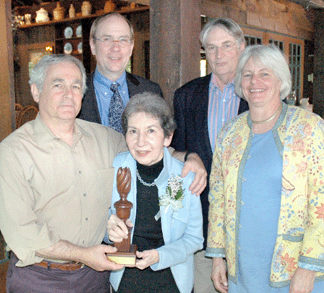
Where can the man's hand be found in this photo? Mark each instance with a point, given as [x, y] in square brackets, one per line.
[195, 164]
[302, 281]
[218, 275]
[116, 228]
[147, 258]
[95, 257]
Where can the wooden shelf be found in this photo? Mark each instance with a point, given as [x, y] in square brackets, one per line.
[65, 20]
[55, 29]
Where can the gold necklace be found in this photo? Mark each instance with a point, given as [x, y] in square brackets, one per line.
[267, 120]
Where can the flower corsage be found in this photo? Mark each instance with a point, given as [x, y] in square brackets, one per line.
[174, 194]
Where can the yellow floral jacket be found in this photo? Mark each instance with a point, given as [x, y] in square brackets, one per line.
[299, 136]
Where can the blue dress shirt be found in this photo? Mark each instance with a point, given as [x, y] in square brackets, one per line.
[104, 93]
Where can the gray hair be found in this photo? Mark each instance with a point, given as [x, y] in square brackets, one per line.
[102, 18]
[38, 74]
[230, 26]
[272, 58]
[153, 105]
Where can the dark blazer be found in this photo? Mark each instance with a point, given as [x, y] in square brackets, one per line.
[191, 114]
[136, 85]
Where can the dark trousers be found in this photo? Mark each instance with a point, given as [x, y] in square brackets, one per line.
[36, 279]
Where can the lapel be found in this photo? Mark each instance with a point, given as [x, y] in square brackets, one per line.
[90, 110]
[132, 84]
[167, 213]
[244, 106]
[200, 111]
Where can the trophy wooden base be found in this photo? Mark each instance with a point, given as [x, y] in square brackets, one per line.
[124, 257]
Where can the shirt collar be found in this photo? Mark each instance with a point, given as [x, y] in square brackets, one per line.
[213, 82]
[43, 134]
[102, 80]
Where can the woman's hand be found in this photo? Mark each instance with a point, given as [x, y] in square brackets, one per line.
[219, 274]
[302, 281]
[116, 228]
[147, 258]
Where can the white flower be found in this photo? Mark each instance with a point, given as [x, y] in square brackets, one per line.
[174, 194]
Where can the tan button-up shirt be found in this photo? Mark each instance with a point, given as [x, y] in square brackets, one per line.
[50, 191]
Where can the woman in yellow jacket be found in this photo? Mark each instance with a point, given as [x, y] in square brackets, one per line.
[266, 215]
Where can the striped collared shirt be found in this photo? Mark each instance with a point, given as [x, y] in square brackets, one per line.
[222, 107]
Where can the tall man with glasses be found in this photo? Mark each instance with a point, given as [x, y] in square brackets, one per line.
[110, 87]
[201, 107]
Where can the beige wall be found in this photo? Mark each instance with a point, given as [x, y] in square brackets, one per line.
[6, 72]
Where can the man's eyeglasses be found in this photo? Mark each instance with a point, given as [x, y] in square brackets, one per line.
[212, 49]
[109, 41]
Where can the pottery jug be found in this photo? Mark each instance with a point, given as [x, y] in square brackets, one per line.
[41, 15]
[71, 11]
[58, 12]
[86, 8]
[28, 18]
[109, 6]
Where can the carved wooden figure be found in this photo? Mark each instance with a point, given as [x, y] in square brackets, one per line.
[123, 206]
[126, 252]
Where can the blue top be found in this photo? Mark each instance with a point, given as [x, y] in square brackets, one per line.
[104, 94]
[260, 207]
[182, 229]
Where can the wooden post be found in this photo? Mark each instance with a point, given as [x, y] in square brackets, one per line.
[174, 43]
[318, 93]
[7, 97]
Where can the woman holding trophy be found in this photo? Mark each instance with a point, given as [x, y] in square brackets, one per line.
[166, 218]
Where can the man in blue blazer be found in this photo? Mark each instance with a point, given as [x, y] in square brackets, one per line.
[112, 43]
[201, 108]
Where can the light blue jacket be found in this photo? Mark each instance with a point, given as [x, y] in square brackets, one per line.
[182, 230]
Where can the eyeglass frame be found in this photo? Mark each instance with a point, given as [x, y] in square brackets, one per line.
[222, 47]
[106, 42]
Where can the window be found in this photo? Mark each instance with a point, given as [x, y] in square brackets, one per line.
[250, 40]
[203, 63]
[279, 44]
[295, 67]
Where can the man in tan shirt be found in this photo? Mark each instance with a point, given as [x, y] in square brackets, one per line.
[55, 186]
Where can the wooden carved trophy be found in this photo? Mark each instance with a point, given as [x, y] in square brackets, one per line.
[126, 252]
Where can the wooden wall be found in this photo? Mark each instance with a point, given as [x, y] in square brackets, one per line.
[7, 104]
[280, 16]
[35, 38]
[26, 42]
[6, 72]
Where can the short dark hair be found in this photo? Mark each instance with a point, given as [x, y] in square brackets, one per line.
[153, 105]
